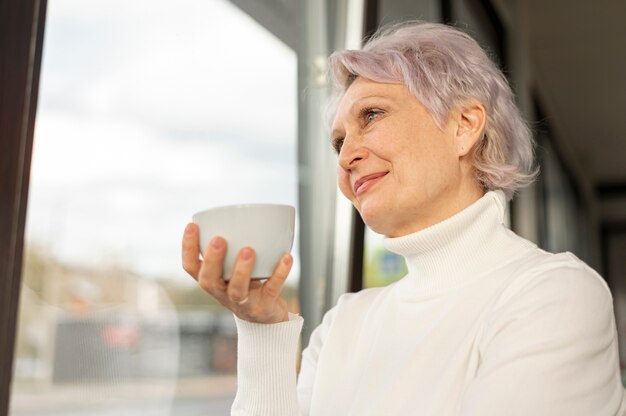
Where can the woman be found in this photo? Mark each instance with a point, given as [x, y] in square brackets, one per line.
[431, 146]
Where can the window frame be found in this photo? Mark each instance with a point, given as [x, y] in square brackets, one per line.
[21, 42]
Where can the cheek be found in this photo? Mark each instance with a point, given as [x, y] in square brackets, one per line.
[343, 180]
[435, 172]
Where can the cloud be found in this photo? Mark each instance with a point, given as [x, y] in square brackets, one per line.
[150, 111]
[177, 66]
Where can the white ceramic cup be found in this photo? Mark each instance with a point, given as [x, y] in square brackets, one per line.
[267, 228]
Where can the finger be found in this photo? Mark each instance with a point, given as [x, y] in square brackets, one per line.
[191, 251]
[239, 283]
[273, 286]
[210, 276]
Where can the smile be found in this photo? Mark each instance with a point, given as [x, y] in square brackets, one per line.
[366, 182]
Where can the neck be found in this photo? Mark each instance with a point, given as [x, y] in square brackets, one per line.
[456, 201]
[455, 250]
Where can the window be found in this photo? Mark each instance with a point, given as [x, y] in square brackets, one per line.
[564, 224]
[381, 267]
[148, 112]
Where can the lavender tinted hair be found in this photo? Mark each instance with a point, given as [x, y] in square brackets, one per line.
[444, 69]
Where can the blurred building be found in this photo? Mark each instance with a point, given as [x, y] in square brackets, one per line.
[82, 325]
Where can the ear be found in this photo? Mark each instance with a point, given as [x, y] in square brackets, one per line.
[471, 121]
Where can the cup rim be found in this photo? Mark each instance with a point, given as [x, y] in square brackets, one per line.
[238, 206]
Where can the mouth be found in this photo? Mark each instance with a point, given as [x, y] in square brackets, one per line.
[366, 182]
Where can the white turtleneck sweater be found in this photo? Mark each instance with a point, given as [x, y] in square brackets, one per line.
[483, 324]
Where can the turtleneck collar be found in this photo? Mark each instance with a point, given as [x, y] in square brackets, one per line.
[456, 250]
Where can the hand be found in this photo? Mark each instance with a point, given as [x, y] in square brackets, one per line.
[251, 300]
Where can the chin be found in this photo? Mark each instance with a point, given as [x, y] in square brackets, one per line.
[376, 219]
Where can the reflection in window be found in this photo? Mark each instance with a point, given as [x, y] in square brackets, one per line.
[148, 112]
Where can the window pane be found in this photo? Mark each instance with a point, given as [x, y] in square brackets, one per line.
[381, 267]
[566, 222]
[148, 112]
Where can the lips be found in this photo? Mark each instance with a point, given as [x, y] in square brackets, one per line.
[366, 182]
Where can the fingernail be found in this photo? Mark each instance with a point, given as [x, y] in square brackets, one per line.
[287, 259]
[246, 254]
[217, 243]
[189, 229]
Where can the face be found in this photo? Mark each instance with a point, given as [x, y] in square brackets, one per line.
[399, 169]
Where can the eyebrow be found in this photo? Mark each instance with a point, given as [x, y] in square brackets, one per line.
[368, 97]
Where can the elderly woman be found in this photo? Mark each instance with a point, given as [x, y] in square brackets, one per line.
[431, 146]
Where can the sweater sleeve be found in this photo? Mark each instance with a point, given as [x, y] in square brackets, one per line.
[310, 356]
[550, 349]
[266, 368]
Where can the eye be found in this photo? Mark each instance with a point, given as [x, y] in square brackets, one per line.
[337, 143]
[370, 114]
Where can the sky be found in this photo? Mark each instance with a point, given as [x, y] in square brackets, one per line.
[149, 115]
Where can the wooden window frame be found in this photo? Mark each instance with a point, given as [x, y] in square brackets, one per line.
[21, 43]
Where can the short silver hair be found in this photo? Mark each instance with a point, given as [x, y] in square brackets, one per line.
[445, 69]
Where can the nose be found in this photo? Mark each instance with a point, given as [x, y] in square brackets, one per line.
[351, 153]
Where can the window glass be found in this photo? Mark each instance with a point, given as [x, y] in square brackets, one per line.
[565, 221]
[148, 112]
[381, 267]
[480, 21]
